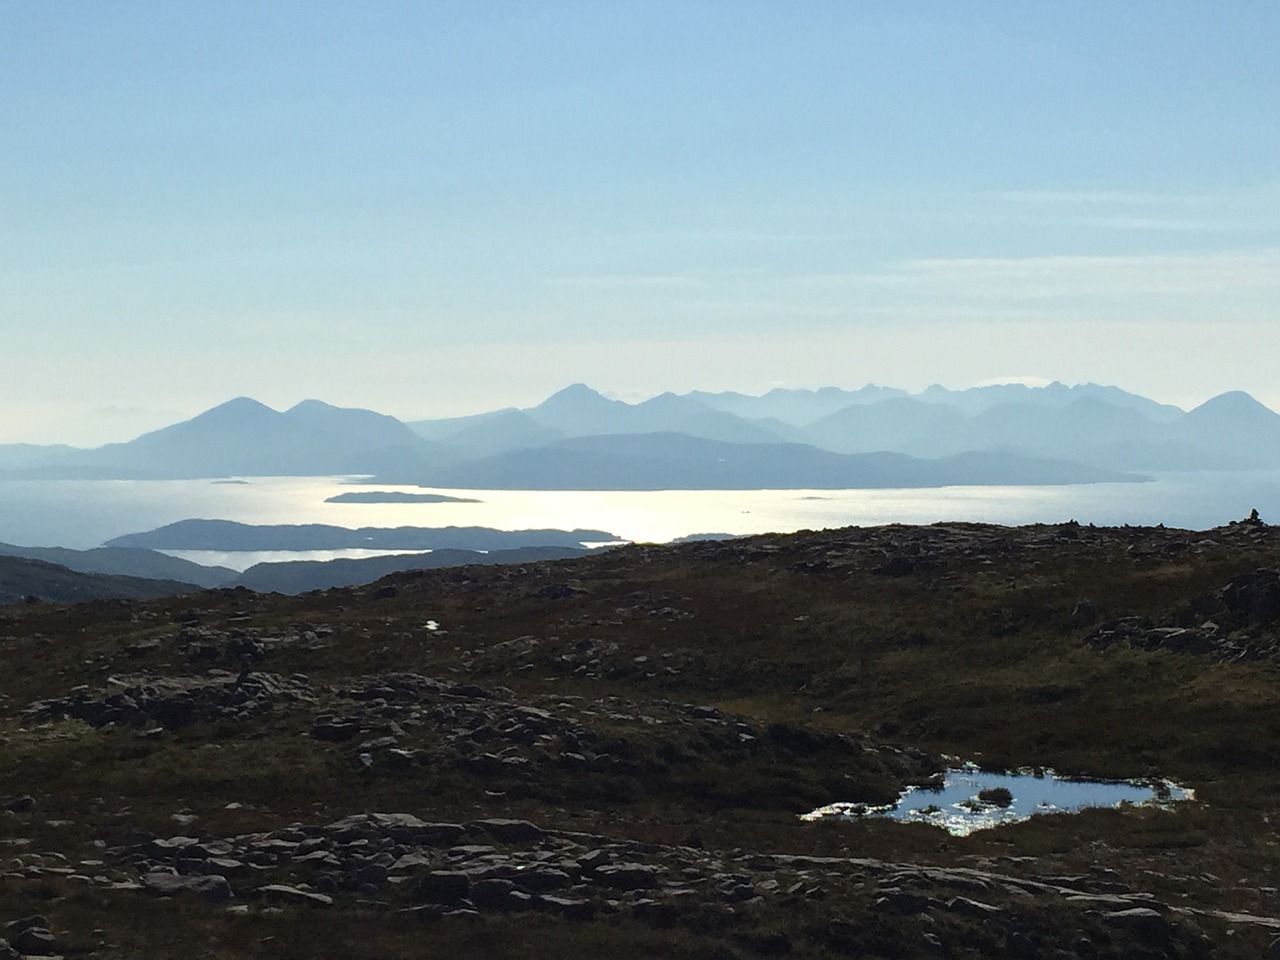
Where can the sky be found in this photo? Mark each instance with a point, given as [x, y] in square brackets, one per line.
[437, 208]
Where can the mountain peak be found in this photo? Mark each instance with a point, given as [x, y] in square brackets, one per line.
[239, 409]
[577, 396]
[1232, 403]
[241, 404]
[576, 391]
[310, 406]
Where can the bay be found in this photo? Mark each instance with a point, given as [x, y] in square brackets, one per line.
[83, 513]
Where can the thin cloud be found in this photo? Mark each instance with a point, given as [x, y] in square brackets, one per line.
[625, 280]
[1221, 274]
[1097, 197]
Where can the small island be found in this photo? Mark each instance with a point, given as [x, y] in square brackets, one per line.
[392, 496]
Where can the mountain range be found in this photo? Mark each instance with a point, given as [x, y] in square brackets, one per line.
[138, 569]
[578, 438]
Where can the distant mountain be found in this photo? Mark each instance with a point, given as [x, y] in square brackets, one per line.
[305, 575]
[126, 561]
[679, 462]
[1233, 428]
[447, 427]
[228, 535]
[900, 425]
[24, 456]
[22, 579]
[976, 400]
[579, 411]
[509, 430]
[1103, 427]
[794, 407]
[244, 437]
[1099, 426]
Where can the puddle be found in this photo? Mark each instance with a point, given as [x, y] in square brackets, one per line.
[970, 799]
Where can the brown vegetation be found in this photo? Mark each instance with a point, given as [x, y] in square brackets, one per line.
[656, 716]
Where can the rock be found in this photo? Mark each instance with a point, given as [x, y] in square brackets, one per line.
[212, 887]
[35, 942]
[903, 902]
[281, 893]
[655, 913]
[570, 909]
[1085, 611]
[1144, 921]
[443, 887]
[15, 927]
[22, 804]
[1254, 596]
[491, 894]
[972, 908]
[538, 879]
[510, 831]
[898, 566]
[557, 591]
[336, 730]
[628, 876]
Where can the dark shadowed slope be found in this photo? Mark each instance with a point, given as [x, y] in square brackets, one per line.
[301, 576]
[231, 536]
[125, 561]
[677, 462]
[21, 578]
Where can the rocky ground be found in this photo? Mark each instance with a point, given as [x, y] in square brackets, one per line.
[611, 754]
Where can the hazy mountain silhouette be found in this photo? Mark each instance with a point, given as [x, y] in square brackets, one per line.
[1103, 427]
[508, 430]
[126, 561]
[676, 461]
[1234, 428]
[900, 425]
[976, 400]
[245, 437]
[22, 578]
[791, 406]
[579, 411]
[300, 576]
[24, 456]
[447, 427]
[229, 535]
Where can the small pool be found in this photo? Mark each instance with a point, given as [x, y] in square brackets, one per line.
[968, 799]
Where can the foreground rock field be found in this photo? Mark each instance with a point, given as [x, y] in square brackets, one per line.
[609, 756]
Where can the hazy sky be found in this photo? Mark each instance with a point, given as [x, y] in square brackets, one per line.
[437, 208]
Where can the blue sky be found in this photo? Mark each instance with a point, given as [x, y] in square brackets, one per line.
[436, 208]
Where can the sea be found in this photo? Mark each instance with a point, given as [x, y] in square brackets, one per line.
[85, 513]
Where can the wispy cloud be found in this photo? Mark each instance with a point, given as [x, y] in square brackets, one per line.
[1098, 197]
[1226, 273]
[648, 280]
[1152, 224]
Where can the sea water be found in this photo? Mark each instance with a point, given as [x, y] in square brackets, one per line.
[85, 513]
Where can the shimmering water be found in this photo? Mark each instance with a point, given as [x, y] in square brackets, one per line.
[961, 805]
[83, 514]
[244, 559]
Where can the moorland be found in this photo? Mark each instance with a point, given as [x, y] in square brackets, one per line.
[610, 754]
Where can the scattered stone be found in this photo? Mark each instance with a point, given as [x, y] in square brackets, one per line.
[443, 887]
[281, 893]
[211, 887]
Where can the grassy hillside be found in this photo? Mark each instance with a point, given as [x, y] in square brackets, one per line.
[608, 754]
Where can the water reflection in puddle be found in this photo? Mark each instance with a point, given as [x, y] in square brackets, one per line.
[970, 799]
